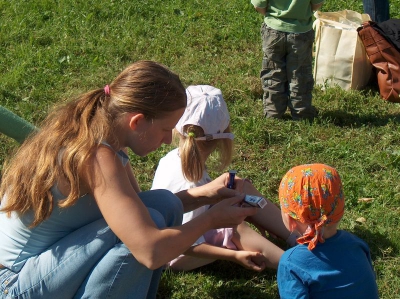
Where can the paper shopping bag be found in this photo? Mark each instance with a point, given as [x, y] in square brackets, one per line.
[340, 57]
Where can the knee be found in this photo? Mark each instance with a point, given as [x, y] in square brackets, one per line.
[172, 208]
[166, 203]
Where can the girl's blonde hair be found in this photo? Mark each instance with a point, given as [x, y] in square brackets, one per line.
[190, 150]
[70, 134]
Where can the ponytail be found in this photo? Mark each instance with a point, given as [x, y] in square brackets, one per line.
[191, 160]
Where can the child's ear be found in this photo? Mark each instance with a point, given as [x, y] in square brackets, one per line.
[134, 119]
[295, 225]
[292, 224]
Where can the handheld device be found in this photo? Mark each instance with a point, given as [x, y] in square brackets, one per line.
[255, 201]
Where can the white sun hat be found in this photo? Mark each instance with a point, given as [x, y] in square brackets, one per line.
[207, 109]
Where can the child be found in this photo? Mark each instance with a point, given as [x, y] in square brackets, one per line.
[287, 41]
[328, 263]
[73, 220]
[204, 130]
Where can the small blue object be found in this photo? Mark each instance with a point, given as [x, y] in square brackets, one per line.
[231, 182]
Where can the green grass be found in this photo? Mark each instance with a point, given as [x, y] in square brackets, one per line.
[53, 51]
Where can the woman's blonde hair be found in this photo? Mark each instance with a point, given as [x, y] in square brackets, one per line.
[190, 151]
[73, 131]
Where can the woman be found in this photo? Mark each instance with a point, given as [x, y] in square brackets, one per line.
[74, 222]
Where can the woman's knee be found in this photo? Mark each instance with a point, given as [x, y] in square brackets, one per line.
[166, 203]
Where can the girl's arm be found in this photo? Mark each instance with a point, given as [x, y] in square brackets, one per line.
[130, 220]
[241, 257]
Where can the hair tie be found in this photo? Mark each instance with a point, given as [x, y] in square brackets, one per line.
[192, 134]
[107, 90]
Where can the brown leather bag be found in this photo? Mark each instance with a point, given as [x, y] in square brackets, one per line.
[386, 60]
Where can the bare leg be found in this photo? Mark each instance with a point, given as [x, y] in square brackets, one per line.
[245, 238]
[269, 218]
[187, 263]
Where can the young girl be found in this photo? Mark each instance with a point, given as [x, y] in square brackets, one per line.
[73, 222]
[328, 263]
[203, 130]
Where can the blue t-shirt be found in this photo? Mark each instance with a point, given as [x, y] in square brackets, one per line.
[340, 267]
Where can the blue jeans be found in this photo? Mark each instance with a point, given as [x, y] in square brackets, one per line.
[378, 10]
[92, 262]
[286, 74]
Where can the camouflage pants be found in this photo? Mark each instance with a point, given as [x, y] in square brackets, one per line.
[286, 74]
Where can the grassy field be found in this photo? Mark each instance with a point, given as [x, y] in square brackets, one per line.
[53, 50]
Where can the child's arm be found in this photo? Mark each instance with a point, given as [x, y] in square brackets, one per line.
[315, 7]
[261, 10]
[260, 6]
[244, 258]
[207, 194]
[291, 285]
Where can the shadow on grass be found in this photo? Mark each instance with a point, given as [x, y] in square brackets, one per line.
[228, 280]
[240, 283]
[221, 279]
[343, 118]
[378, 243]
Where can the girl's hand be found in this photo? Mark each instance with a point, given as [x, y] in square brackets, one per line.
[250, 260]
[216, 190]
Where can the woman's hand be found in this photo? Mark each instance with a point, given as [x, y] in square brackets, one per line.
[228, 213]
[214, 192]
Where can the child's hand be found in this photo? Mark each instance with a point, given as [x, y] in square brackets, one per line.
[216, 190]
[250, 260]
[241, 184]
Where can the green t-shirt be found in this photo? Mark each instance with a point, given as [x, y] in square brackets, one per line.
[288, 15]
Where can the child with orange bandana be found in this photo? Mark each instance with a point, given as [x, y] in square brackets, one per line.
[327, 263]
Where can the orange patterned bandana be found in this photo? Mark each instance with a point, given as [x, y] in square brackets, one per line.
[312, 194]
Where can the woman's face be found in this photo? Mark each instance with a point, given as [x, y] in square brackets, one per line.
[153, 133]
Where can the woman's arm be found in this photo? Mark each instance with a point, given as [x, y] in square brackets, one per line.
[131, 176]
[130, 220]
